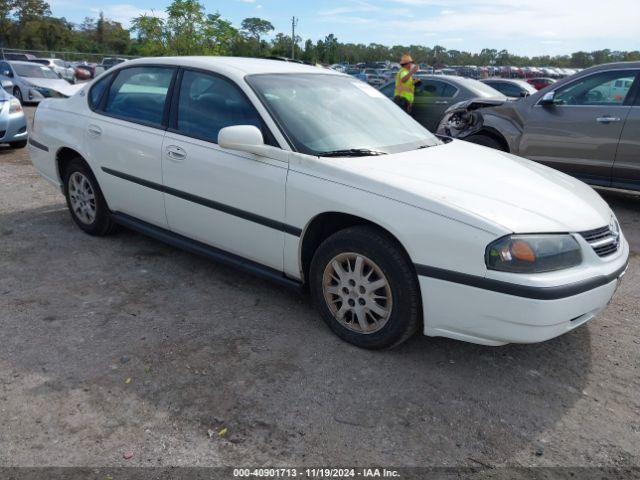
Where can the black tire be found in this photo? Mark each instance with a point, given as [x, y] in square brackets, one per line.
[18, 94]
[102, 223]
[16, 145]
[376, 245]
[485, 140]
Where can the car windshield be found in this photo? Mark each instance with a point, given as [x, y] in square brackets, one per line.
[329, 113]
[33, 71]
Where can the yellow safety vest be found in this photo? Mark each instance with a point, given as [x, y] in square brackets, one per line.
[404, 89]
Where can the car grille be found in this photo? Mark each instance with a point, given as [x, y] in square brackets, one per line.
[603, 241]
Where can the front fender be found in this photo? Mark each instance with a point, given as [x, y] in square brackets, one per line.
[471, 118]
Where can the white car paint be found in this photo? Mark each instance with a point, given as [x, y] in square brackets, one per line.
[60, 67]
[443, 204]
[59, 85]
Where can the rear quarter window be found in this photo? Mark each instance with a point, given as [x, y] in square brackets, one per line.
[97, 92]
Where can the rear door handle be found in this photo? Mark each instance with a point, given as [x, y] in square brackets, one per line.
[607, 119]
[442, 102]
[176, 153]
[94, 130]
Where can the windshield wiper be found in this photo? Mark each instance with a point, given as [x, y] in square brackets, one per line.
[352, 152]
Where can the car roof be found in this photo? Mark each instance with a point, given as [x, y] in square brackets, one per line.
[516, 81]
[611, 66]
[235, 65]
[22, 62]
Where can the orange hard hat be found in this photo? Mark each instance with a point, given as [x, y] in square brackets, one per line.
[406, 58]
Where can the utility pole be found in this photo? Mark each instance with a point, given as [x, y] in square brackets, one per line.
[294, 24]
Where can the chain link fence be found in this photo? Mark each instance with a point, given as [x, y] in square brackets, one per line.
[11, 53]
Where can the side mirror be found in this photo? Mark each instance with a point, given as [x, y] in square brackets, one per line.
[7, 73]
[248, 138]
[548, 99]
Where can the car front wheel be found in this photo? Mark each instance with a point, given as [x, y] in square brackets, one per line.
[366, 288]
[86, 203]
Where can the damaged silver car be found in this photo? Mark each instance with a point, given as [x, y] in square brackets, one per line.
[587, 125]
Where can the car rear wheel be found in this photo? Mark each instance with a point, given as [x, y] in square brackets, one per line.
[18, 94]
[86, 203]
[486, 141]
[366, 288]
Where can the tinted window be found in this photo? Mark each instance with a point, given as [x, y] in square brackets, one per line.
[97, 90]
[607, 88]
[435, 88]
[508, 89]
[139, 94]
[208, 104]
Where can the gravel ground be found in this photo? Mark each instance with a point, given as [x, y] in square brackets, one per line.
[122, 344]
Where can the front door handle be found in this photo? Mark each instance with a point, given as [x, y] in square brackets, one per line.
[442, 102]
[607, 119]
[94, 130]
[176, 153]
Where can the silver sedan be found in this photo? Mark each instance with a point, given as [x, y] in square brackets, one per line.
[13, 124]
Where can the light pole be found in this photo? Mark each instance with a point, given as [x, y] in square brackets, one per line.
[294, 24]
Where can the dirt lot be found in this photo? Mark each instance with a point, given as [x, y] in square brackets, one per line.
[120, 344]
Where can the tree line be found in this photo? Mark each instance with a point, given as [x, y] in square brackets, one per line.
[188, 29]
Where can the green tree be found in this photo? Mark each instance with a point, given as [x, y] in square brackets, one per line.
[150, 32]
[255, 28]
[28, 10]
[6, 6]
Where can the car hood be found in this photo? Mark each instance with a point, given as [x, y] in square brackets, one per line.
[56, 84]
[483, 186]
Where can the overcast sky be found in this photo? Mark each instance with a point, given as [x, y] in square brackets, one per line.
[521, 26]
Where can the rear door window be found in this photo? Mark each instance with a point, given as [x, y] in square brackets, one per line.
[436, 88]
[139, 94]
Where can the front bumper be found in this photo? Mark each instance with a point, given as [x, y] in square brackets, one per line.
[489, 317]
[13, 127]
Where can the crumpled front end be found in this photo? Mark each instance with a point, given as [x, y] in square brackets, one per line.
[465, 118]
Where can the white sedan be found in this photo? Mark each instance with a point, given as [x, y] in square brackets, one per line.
[311, 178]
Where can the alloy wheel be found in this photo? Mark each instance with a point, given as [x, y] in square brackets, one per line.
[357, 293]
[82, 198]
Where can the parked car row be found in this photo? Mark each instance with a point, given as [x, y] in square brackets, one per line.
[70, 71]
[33, 82]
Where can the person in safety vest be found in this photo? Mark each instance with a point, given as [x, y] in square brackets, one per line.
[405, 87]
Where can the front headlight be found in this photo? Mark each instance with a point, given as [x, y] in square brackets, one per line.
[14, 106]
[533, 253]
